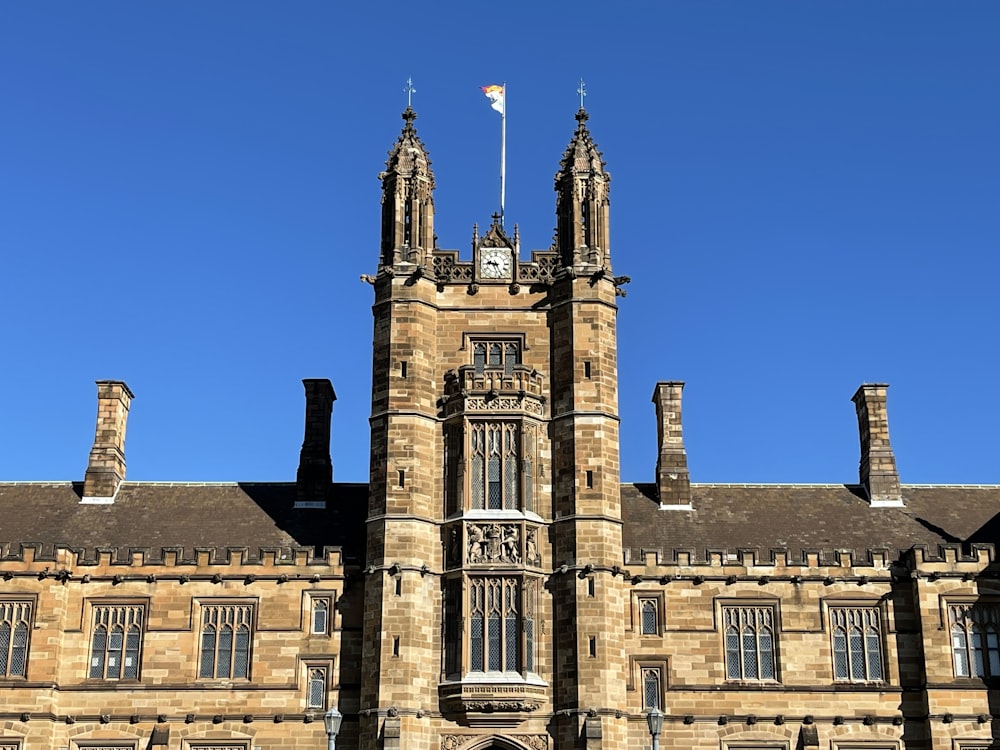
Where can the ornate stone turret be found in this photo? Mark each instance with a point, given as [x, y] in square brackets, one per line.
[582, 203]
[407, 200]
[586, 487]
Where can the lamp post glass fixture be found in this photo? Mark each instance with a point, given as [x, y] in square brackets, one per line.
[332, 720]
[655, 721]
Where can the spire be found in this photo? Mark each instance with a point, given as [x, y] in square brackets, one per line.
[582, 202]
[407, 199]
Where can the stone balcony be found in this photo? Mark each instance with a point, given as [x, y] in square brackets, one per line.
[494, 699]
[519, 391]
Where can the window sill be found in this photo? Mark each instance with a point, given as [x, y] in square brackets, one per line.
[498, 514]
[221, 681]
[753, 683]
[498, 678]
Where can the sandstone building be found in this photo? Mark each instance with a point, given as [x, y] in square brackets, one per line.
[495, 584]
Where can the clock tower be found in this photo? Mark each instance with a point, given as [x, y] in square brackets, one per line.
[492, 605]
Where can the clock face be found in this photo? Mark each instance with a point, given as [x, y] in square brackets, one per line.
[494, 263]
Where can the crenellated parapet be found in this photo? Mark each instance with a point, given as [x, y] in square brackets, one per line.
[449, 269]
[69, 564]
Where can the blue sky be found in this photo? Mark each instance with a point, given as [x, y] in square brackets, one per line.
[805, 195]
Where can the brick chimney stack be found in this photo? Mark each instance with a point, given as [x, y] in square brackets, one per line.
[315, 474]
[106, 467]
[878, 464]
[672, 480]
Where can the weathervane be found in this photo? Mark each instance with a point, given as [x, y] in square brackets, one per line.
[582, 91]
[410, 91]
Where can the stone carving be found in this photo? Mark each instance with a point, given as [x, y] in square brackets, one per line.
[454, 545]
[504, 403]
[500, 706]
[531, 555]
[534, 741]
[511, 551]
[475, 543]
[457, 741]
[494, 543]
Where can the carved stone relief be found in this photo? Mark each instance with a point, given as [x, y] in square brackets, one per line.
[458, 741]
[454, 556]
[493, 543]
[531, 554]
[503, 403]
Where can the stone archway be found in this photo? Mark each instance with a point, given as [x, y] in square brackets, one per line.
[496, 742]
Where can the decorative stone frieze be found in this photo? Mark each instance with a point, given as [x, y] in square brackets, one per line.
[520, 390]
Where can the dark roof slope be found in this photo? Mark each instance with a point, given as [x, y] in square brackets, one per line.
[154, 516]
[797, 518]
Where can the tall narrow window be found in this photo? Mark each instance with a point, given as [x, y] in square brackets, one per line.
[15, 617]
[749, 642]
[857, 643]
[114, 645]
[528, 433]
[501, 613]
[452, 469]
[452, 628]
[496, 355]
[974, 639]
[407, 209]
[649, 620]
[316, 688]
[225, 640]
[511, 356]
[530, 588]
[494, 476]
[650, 687]
[320, 616]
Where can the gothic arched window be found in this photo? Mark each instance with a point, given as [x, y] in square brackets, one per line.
[14, 619]
[114, 645]
[974, 639]
[857, 643]
[225, 641]
[500, 616]
[749, 643]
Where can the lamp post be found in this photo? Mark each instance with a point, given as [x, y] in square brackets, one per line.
[655, 721]
[332, 720]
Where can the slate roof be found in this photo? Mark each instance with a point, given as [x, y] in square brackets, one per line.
[154, 516]
[797, 518]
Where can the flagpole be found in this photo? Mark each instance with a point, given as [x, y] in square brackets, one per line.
[503, 153]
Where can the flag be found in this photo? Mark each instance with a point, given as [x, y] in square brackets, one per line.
[495, 94]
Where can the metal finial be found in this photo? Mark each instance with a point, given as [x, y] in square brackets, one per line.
[582, 91]
[409, 91]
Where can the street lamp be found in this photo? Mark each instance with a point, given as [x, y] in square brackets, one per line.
[332, 720]
[655, 721]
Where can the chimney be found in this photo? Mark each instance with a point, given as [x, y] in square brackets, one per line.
[878, 464]
[106, 468]
[315, 473]
[672, 480]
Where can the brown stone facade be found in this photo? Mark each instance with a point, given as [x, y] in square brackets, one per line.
[75, 692]
[495, 585]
